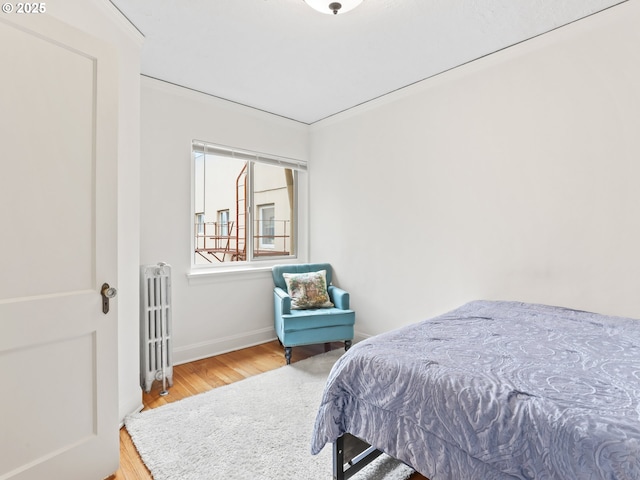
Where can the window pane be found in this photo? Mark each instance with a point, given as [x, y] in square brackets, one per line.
[199, 182]
[224, 193]
[273, 191]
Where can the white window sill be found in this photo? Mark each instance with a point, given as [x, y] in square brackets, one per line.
[199, 276]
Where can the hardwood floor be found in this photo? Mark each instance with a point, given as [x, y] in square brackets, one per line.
[203, 375]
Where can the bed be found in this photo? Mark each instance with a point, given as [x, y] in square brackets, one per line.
[494, 390]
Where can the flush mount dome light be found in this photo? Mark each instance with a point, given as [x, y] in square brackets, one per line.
[329, 7]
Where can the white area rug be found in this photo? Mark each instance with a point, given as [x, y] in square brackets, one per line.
[257, 428]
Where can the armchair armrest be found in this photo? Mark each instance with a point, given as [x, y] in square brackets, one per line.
[282, 301]
[339, 297]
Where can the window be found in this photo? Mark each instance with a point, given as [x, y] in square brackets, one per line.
[199, 223]
[266, 225]
[247, 204]
[223, 223]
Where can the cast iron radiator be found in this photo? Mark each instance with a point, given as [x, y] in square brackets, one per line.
[155, 326]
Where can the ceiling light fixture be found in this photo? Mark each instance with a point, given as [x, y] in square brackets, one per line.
[329, 7]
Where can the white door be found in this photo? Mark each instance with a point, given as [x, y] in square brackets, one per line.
[58, 350]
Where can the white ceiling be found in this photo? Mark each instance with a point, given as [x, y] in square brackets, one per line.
[282, 57]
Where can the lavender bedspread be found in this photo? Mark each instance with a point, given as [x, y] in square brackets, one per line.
[495, 390]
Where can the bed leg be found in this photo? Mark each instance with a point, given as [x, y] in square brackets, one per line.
[346, 466]
[287, 355]
[338, 458]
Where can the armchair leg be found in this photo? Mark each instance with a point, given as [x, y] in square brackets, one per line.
[347, 345]
[287, 355]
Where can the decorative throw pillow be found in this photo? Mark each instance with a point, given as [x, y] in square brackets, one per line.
[308, 290]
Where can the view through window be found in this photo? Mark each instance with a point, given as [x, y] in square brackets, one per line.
[245, 205]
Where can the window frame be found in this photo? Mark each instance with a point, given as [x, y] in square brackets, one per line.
[299, 228]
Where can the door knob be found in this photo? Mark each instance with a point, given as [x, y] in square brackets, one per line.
[107, 292]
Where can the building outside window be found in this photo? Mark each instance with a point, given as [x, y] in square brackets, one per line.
[248, 205]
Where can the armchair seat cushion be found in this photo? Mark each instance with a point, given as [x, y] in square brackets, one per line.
[317, 318]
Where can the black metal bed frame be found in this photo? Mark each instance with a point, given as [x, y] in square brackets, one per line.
[350, 459]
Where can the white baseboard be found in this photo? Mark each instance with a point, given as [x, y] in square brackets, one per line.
[197, 351]
[138, 409]
[359, 336]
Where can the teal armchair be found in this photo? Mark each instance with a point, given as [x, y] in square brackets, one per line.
[308, 326]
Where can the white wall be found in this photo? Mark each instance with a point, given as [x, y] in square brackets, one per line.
[101, 19]
[226, 311]
[513, 177]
